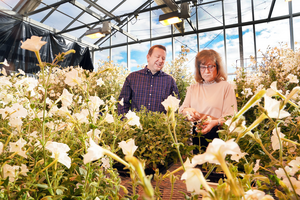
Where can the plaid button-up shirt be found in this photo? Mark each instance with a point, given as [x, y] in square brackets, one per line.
[144, 88]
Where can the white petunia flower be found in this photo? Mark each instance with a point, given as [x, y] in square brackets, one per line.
[33, 44]
[218, 149]
[24, 170]
[194, 178]
[100, 82]
[6, 64]
[94, 103]
[72, 78]
[295, 164]
[109, 118]
[128, 147]
[17, 147]
[94, 152]
[256, 167]
[295, 183]
[1, 147]
[247, 92]
[10, 171]
[272, 106]
[105, 162]
[274, 139]
[171, 102]
[122, 102]
[292, 78]
[133, 119]
[256, 195]
[66, 98]
[60, 150]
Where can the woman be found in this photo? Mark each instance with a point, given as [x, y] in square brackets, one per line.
[211, 99]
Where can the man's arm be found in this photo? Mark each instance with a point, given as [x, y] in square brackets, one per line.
[126, 96]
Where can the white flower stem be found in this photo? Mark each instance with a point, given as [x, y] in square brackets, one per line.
[174, 142]
[252, 126]
[248, 105]
[233, 186]
[115, 157]
[287, 140]
[203, 181]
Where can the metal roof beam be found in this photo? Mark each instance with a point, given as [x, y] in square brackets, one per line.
[204, 30]
[76, 18]
[117, 6]
[51, 6]
[48, 15]
[125, 21]
[271, 9]
[89, 11]
[102, 10]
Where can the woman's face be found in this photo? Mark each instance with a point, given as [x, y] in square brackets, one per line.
[208, 70]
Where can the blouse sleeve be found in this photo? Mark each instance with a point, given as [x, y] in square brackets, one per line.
[187, 100]
[229, 103]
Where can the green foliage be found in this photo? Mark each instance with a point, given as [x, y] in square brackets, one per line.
[153, 140]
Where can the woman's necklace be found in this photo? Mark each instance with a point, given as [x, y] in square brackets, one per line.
[209, 82]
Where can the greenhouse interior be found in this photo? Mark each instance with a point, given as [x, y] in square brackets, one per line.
[150, 99]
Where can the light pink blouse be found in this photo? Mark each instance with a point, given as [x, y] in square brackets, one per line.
[217, 99]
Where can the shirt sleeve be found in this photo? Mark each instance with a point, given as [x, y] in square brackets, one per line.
[126, 95]
[229, 103]
[187, 100]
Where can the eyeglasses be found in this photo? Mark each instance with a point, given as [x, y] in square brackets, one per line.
[209, 67]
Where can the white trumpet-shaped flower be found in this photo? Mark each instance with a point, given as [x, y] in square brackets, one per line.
[72, 78]
[18, 147]
[218, 149]
[59, 150]
[33, 44]
[133, 119]
[94, 152]
[273, 108]
[171, 102]
[128, 147]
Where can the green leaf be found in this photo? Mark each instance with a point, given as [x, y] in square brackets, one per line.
[59, 192]
[44, 186]
[261, 178]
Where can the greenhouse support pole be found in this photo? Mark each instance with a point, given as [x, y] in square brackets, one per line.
[224, 36]
[240, 30]
[291, 25]
[197, 25]
[254, 33]
[128, 48]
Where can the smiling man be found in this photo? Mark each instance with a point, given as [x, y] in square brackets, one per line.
[150, 86]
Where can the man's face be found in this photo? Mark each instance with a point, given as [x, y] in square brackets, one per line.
[157, 60]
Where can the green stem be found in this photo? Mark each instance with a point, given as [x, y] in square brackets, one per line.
[288, 177]
[248, 105]
[252, 126]
[176, 144]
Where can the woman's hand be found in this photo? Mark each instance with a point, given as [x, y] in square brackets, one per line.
[192, 114]
[208, 125]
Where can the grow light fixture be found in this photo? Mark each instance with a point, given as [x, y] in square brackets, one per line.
[174, 17]
[169, 18]
[99, 32]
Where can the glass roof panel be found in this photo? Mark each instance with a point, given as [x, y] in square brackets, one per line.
[8, 4]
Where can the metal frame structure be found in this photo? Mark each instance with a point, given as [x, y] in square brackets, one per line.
[26, 8]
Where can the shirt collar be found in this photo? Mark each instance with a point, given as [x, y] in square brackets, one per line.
[159, 73]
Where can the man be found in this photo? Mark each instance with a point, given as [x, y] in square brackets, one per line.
[150, 86]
